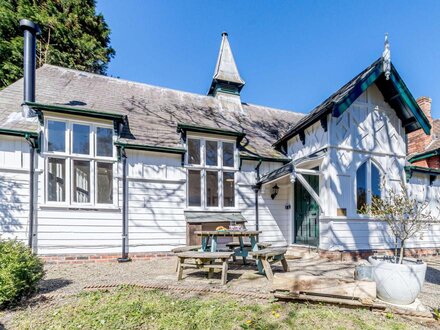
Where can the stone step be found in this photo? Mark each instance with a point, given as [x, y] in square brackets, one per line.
[301, 252]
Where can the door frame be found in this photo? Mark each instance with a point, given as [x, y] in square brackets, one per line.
[293, 204]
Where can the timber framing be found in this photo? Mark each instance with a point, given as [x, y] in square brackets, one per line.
[394, 91]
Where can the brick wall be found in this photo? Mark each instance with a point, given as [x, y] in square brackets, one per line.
[418, 140]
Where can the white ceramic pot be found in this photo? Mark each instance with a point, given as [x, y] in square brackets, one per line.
[398, 283]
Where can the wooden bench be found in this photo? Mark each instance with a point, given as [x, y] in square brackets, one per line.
[204, 260]
[233, 245]
[186, 248]
[269, 256]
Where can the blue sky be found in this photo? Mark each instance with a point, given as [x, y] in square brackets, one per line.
[292, 54]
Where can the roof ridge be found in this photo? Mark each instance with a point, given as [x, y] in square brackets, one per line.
[156, 87]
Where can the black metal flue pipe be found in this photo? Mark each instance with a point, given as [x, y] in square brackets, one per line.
[31, 30]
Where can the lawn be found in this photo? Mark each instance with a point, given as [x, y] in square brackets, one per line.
[134, 308]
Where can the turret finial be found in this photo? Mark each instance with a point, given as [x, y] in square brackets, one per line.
[386, 58]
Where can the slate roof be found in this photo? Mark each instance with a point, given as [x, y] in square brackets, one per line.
[435, 135]
[153, 112]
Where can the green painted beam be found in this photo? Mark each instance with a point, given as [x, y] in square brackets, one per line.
[145, 147]
[361, 87]
[420, 169]
[409, 100]
[209, 130]
[424, 155]
[13, 132]
[265, 159]
[75, 111]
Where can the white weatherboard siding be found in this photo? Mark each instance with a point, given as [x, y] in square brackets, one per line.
[274, 218]
[14, 188]
[157, 200]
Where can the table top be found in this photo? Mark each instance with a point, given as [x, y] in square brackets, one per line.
[236, 233]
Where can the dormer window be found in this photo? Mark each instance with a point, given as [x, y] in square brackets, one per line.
[211, 166]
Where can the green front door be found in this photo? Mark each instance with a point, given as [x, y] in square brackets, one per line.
[306, 213]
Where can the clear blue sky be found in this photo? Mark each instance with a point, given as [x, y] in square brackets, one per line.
[292, 54]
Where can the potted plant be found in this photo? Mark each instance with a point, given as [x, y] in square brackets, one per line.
[399, 280]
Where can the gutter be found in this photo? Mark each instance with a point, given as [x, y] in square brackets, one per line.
[75, 111]
[150, 148]
[265, 159]
[424, 155]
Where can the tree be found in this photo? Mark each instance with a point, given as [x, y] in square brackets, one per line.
[406, 216]
[73, 35]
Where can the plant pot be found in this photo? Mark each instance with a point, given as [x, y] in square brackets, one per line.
[398, 283]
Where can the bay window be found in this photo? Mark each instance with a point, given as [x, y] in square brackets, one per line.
[211, 169]
[80, 160]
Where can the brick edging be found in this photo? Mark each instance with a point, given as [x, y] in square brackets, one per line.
[98, 257]
[364, 254]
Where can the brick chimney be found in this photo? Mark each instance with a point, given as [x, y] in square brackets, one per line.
[418, 140]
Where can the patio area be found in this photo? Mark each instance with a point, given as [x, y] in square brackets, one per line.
[66, 279]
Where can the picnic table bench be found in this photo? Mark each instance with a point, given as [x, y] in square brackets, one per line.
[270, 256]
[204, 260]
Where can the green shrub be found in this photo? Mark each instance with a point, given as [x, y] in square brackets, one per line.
[20, 271]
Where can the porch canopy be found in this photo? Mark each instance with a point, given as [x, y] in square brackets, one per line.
[296, 172]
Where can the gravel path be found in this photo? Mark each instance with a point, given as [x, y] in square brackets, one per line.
[72, 278]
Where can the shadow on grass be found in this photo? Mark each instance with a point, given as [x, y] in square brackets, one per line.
[53, 284]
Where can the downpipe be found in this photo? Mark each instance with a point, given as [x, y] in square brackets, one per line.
[33, 146]
[124, 254]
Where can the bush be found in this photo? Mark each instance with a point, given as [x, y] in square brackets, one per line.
[20, 271]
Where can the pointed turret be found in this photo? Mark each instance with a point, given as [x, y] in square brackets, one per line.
[226, 78]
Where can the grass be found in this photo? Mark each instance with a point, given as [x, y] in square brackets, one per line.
[133, 308]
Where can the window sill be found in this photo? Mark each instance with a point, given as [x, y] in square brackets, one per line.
[110, 208]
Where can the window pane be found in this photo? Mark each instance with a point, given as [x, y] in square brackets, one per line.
[56, 186]
[375, 182]
[105, 183]
[194, 188]
[81, 139]
[56, 136]
[211, 188]
[81, 181]
[193, 151]
[228, 189]
[361, 188]
[211, 153]
[228, 154]
[104, 142]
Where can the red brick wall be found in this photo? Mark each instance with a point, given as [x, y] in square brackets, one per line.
[418, 140]
[433, 162]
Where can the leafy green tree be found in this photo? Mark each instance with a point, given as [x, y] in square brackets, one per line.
[73, 35]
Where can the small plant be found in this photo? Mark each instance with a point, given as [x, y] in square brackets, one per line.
[404, 214]
[20, 271]
[436, 313]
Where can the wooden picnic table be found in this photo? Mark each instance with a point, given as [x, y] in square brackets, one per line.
[240, 251]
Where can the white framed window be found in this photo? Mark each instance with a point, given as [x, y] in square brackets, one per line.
[80, 162]
[211, 166]
[368, 184]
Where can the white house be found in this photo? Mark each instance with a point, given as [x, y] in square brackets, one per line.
[96, 166]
